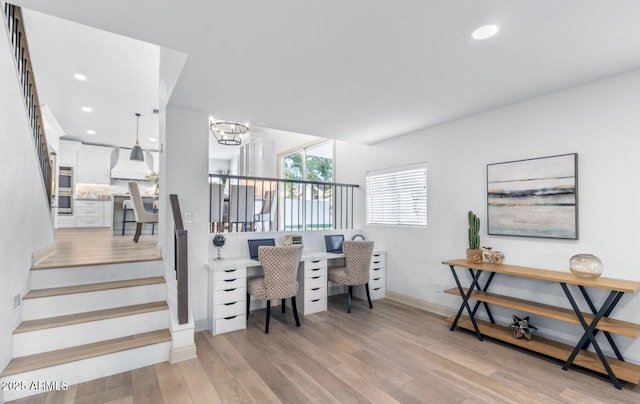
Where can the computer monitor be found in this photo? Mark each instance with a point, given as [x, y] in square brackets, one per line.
[333, 243]
[255, 243]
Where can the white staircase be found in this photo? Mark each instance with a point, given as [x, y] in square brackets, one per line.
[83, 323]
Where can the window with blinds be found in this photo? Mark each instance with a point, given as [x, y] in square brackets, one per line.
[397, 196]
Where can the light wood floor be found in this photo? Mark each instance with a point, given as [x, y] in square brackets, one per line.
[93, 246]
[392, 353]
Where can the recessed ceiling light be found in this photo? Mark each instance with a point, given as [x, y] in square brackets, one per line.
[486, 31]
[86, 109]
[152, 139]
[91, 132]
[80, 77]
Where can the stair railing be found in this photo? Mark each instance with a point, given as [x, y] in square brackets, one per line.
[180, 260]
[18, 40]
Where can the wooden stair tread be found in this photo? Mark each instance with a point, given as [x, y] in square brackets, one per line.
[626, 371]
[53, 358]
[93, 287]
[612, 325]
[98, 263]
[60, 321]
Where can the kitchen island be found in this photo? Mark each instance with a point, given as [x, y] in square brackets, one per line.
[130, 226]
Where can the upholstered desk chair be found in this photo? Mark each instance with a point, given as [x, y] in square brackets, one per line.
[141, 215]
[280, 265]
[357, 256]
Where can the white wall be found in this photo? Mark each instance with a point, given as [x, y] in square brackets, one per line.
[24, 211]
[186, 168]
[599, 121]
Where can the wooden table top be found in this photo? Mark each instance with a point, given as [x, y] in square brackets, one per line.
[618, 285]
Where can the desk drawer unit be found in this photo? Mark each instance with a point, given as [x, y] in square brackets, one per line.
[312, 288]
[228, 300]
[377, 275]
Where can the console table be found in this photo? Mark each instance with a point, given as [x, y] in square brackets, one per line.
[592, 323]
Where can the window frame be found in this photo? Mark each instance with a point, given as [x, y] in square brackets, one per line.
[398, 198]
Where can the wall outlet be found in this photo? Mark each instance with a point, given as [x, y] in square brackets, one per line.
[190, 217]
[16, 300]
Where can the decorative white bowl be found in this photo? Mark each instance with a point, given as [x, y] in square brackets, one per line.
[585, 266]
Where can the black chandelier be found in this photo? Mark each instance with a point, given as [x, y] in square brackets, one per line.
[228, 133]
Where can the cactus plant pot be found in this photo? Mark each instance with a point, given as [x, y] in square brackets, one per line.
[474, 256]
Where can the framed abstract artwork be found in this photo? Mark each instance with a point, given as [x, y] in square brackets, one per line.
[534, 198]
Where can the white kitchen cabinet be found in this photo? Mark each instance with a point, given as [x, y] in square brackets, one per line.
[94, 165]
[68, 153]
[155, 158]
[91, 213]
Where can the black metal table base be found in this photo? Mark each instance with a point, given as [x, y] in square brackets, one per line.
[590, 331]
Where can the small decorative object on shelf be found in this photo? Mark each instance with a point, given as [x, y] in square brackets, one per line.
[474, 253]
[219, 242]
[585, 266]
[494, 257]
[521, 327]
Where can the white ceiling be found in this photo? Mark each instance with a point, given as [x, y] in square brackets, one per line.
[366, 70]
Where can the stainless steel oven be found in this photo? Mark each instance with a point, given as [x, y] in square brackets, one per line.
[65, 203]
[65, 179]
[65, 191]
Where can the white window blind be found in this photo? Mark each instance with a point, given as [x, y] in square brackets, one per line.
[397, 196]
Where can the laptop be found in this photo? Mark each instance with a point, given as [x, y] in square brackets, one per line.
[255, 243]
[334, 243]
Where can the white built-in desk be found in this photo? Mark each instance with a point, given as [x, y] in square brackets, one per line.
[227, 287]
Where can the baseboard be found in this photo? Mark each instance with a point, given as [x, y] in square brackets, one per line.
[201, 325]
[419, 303]
[184, 353]
[43, 253]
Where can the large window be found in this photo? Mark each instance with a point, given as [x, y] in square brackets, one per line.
[397, 196]
[311, 163]
[308, 206]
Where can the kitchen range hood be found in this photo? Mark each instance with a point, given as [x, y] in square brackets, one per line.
[126, 169]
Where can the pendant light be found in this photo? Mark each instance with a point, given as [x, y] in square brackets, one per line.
[136, 152]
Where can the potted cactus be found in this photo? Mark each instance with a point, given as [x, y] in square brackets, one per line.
[474, 252]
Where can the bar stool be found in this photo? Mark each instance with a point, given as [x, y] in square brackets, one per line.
[126, 205]
[156, 204]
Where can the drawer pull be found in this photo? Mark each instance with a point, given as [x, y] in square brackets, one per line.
[230, 317]
[315, 262]
[230, 280]
[315, 277]
[317, 300]
[376, 262]
[315, 269]
[315, 289]
[230, 290]
[376, 279]
[376, 288]
[230, 304]
[230, 270]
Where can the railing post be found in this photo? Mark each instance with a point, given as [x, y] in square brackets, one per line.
[180, 260]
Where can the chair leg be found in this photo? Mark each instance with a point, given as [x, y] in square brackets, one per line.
[282, 304]
[248, 304]
[266, 324]
[349, 294]
[138, 232]
[295, 310]
[366, 285]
